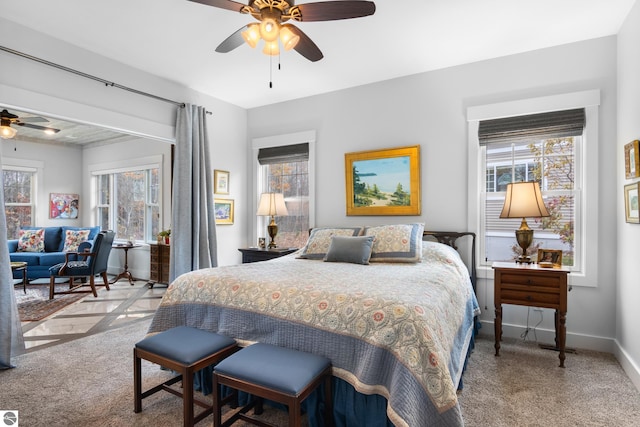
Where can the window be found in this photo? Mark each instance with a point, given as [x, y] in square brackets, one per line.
[19, 198]
[526, 158]
[285, 169]
[128, 202]
[551, 163]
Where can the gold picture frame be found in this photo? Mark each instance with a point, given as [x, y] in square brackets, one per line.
[632, 159]
[220, 182]
[376, 181]
[550, 256]
[631, 212]
[223, 211]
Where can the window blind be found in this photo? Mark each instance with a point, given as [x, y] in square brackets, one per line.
[284, 154]
[555, 124]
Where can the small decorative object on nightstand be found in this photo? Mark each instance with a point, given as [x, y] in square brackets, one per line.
[257, 254]
[533, 286]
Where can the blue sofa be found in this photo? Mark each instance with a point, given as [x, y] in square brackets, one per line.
[38, 263]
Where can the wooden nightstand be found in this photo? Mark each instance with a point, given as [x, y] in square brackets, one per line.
[257, 254]
[159, 264]
[533, 286]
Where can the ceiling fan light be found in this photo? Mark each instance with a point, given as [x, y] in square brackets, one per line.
[269, 29]
[252, 35]
[271, 48]
[288, 38]
[7, 132]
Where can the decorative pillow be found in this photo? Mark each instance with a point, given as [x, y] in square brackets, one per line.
[356, 250]
[73, 238]
[396, 243]
[320, 239]
[31, 240]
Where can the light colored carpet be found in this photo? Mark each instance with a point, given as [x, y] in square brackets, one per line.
[88, 382]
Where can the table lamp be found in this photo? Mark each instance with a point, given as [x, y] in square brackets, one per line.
[524, 199]
[272, 204]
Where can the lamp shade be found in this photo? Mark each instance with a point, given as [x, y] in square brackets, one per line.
[523, 199]
[272, 204]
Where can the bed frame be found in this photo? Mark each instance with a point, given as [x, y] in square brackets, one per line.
[450, 238]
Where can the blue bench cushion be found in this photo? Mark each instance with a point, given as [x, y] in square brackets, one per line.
[278, 368]
[184, 344]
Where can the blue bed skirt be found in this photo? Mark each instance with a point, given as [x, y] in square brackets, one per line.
[350, 408]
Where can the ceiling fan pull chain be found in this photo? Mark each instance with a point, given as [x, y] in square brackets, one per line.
[270, 72]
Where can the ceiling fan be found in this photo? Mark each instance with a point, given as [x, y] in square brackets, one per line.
[272, 13]
[7, 119]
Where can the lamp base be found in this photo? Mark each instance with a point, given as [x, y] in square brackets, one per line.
[523, 260]
[524, 237]
[272, 229]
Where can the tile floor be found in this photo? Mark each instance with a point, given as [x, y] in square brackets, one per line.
[121, 305]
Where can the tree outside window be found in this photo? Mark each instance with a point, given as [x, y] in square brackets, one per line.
[19, 202]
[550, 162]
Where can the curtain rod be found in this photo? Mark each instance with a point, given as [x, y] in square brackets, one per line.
[89, 76]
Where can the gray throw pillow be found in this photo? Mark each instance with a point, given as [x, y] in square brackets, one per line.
[355, 250]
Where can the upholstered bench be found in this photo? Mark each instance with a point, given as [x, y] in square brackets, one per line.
[278, 374]
[185, 350]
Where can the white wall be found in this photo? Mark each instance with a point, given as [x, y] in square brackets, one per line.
[430, 109]
[627, 313]
[30, 86]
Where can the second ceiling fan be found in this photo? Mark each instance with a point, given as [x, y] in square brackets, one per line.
[272, 14]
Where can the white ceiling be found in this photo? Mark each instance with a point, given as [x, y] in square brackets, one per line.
[176, 39]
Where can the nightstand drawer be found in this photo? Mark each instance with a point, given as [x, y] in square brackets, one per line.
[518, 278]
[523, 296]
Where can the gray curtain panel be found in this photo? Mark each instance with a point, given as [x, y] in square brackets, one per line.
[11, 342]
[193, 228]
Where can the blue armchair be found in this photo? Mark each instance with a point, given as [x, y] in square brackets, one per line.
[94, 263]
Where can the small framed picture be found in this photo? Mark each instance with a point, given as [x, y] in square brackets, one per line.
[632, 159]
[63, 206]
[550, 258]
[631, 213]
[223, 211]
[220, 182]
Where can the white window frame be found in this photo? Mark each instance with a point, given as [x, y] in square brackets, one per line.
[276, 141]
[37, 167]
[586, 274]
[143, 163]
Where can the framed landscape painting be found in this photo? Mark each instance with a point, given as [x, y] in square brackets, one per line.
[223, 211]
[383, 182]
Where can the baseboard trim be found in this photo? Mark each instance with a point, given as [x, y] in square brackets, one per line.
[629, 366]
[547, 336]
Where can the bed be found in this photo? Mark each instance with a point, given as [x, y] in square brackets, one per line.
[397, 327]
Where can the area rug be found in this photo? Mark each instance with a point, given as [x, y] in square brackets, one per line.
[36, 305]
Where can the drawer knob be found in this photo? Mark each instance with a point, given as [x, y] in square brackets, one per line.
[529, 281]
[529, 297]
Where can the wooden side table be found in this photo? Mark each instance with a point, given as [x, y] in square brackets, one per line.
[125, 274]
[533, 286]
[257, 254]
[21, 266]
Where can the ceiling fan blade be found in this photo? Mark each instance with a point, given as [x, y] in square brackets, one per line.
[305, 47]
[28, 125]
[233, 41]
[33, 119]
[334, 10]
[222, 4]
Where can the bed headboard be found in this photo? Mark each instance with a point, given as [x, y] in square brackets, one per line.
[450, 238]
